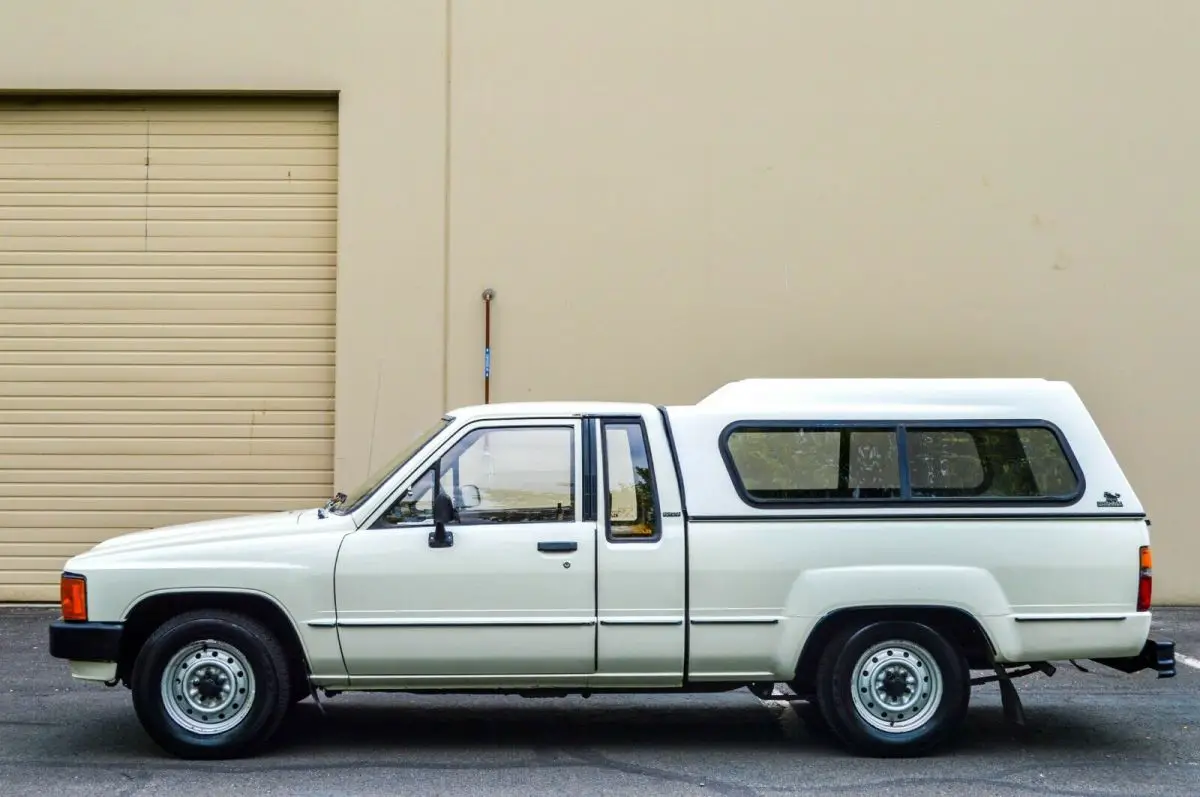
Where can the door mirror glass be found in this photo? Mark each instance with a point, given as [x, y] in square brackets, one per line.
[468, 497]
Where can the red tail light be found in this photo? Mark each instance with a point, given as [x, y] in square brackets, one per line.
[1145, 579]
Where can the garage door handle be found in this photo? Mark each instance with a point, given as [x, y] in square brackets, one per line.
[557, 547]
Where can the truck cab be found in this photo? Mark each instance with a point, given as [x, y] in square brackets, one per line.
[869, 543]
[557, 557]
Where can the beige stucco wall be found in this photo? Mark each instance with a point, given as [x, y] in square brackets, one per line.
[667, 194]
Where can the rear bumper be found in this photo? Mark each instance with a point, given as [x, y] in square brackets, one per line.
[85, 641]
[1157, 655]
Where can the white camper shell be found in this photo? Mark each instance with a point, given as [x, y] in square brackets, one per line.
[869, 543]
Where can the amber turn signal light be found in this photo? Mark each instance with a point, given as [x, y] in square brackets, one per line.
[73, 596]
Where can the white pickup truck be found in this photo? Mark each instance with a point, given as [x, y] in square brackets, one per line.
[869, 543]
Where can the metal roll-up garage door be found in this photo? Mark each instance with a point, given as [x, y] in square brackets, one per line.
[167, 272]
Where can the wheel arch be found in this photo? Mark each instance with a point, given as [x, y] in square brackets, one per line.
[958, 625]
[152, 610]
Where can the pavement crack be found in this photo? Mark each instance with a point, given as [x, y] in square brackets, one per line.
[1003, 779]
[713, 785]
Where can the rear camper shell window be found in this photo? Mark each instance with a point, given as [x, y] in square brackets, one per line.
[779, 464]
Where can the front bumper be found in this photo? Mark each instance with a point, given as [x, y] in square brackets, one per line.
[1157, 655]
[85, 641]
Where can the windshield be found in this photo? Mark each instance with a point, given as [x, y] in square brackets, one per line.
[354, 498]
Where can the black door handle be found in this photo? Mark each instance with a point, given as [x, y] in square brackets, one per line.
[557, 547]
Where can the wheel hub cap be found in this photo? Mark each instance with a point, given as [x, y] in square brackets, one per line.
[208, 687]
[897, 686]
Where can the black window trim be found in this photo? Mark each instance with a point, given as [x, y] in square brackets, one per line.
[603, 422]
[590, 483]
[900, 428]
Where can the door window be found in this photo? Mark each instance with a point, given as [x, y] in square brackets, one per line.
[523, 474]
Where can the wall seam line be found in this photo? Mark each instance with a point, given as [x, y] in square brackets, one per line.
[446, 160]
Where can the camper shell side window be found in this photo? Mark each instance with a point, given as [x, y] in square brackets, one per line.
[779, 464]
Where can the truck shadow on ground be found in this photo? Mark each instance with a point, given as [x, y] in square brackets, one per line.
[469, 730]
[541, 724]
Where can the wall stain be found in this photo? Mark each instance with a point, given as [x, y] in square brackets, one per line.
[1039, 221]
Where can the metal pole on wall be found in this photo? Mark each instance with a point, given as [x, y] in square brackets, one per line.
[488, 295]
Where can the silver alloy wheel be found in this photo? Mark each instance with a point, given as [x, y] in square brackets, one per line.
[208, 687]
[897, 686]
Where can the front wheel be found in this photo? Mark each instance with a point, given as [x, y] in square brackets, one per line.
[893, 688]
[211, 684]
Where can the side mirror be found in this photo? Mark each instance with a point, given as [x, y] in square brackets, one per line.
[443, 509]
[469, 497]
[443, 513]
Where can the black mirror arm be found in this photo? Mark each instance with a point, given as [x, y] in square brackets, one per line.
[439, 537]
[443, 512]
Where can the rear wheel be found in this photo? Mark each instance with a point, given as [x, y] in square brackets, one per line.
[893, 688]
[211, 684]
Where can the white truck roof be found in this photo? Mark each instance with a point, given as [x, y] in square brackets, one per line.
[968, 397]
[549, 409]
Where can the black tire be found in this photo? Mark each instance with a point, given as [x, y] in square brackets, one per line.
[813, 719]
[237, 657]
[931, 720]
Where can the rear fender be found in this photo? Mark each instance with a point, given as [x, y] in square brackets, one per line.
[963, 598]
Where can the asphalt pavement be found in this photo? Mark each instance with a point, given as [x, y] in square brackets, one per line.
[1095, 733]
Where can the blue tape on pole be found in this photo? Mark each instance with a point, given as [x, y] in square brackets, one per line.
[487, 361]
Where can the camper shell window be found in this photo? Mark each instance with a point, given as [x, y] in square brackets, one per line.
[798, 463]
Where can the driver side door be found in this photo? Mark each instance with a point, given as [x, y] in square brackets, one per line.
[509, 596]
